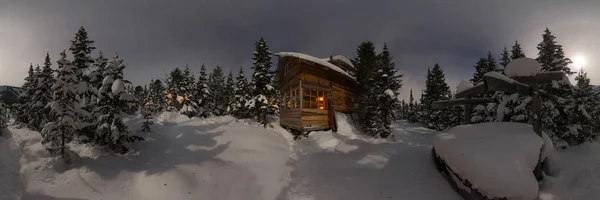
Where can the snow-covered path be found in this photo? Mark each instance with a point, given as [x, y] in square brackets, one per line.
[345, 166]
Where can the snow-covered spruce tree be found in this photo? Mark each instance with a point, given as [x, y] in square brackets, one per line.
[262, 82]
[387, 83]
[174, 87]
[24, 101]
[411, 111]
[551, 57]
[480, 70]
[112, 102]
[436, 89]
[504, 58]
[240, 110]
[582, 125]
[42, 96]
[156, 96]
[216, 86]
[147, 114]
[365, 63]
[202, 94]
[229, 93]
[188, 104]
[516, 51]
[141, 96]
[97, 72]
[33, 105]
[81, 48]
[66, 107]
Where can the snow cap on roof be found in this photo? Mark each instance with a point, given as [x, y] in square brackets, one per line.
[341, 59]
[315, 60]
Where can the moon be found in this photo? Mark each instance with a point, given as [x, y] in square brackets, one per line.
[579, 62]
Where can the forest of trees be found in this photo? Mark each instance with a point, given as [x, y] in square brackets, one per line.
[85, 99]
[570, 113]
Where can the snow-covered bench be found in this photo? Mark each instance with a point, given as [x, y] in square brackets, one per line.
[497, 160]
[492, 160]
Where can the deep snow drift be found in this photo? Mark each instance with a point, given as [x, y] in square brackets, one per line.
[182, 159]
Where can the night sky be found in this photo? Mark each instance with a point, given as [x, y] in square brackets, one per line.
[154, 36]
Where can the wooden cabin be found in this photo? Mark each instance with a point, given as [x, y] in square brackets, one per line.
[313, 89]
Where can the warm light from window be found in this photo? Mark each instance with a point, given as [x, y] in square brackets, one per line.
[320, 99]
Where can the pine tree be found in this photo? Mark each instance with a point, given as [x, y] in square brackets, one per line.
[516, 51]
[365, 62]
[33, 106]
[188, 104]
[21, 114]
[145, 111]
[480, 70]
[141, 95]
[240, 110]
[262, 82]
[504, 58]
[156, 96]
[97, 74]
[65, 107]
[412, 109]
[436, 89]
[42, 96]
[551, 55]
[491, 63]
[229, 93]
[216, 86]
[555, 108]
[174, 87]
[386, 86]
[201, 94]
[583, 126]
[112, 104]
[81, 48]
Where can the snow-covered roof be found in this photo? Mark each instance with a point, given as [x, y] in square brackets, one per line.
[315, 60]
[341, 59]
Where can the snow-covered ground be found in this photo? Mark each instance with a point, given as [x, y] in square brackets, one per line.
[221, 158]
[182, 159]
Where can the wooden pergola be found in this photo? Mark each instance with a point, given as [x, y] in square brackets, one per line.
[494, 81]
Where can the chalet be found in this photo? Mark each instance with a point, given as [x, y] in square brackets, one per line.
[313, 89]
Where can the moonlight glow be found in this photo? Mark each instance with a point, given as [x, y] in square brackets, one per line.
[579, 61]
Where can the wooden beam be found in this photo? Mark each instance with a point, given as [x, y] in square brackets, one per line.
[542, 78]
[493, 83]
[458, 102]
[477, 89]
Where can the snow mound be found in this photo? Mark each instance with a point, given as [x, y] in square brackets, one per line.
[463, 85]
[171, 118]
[498, 158]
[522, 67]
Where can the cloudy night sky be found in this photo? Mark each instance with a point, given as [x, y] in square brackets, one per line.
[154, 36]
